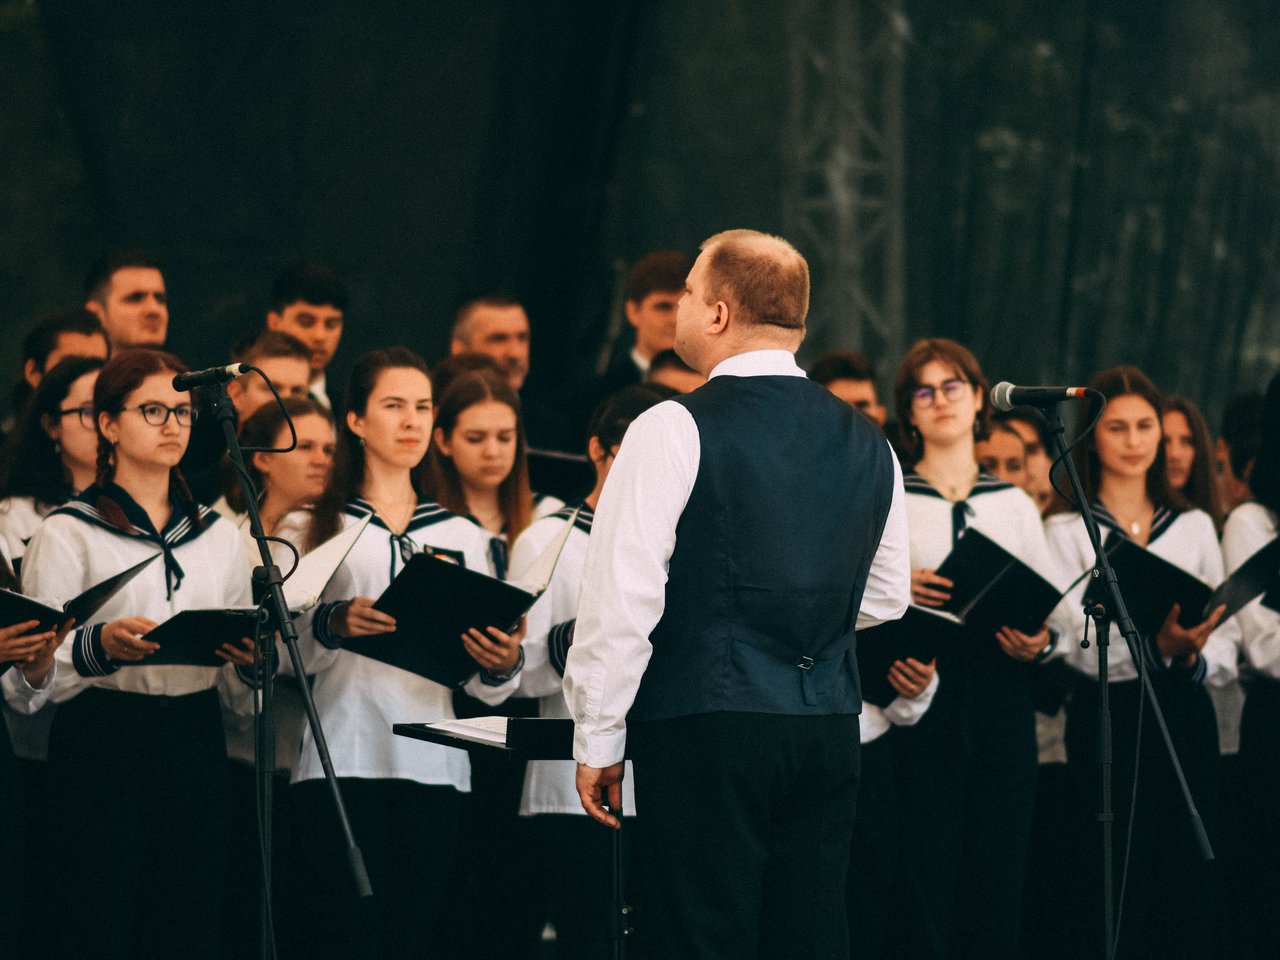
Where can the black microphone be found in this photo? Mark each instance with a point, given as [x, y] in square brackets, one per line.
[1005, 396]
[202, 378]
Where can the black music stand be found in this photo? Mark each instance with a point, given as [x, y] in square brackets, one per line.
[534, 738]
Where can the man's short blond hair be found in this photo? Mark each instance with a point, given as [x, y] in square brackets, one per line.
[763, 278]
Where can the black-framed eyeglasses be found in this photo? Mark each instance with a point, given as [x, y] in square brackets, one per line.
[85, 411]
[157, 414]
[926, 395]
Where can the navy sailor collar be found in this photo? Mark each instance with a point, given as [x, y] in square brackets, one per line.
[180, 528]
[425, 514]
[1161, 521]
[912, 482]
[582, 521]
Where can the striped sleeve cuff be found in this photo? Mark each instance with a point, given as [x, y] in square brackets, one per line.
[320, 625]
[1197, 672]
[1050, 647]
[559, 639]
[1151, 653]
[87, 654]
[497, 680]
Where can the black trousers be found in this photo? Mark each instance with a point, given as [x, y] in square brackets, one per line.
[745, 820]
[967, 779]
[1169, 899]
[875, 854]
[576, 878]
[407, 832]
[142, 792]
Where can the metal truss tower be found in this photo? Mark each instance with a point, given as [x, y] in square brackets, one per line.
[844, 197]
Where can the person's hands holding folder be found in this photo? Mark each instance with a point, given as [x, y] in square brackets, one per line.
[909, 678]
[1023, 646]
[1184, 644]
[32, 651]
[928, 589]
[241, 655]
[499, 652]
[123, 639]
[358, 618]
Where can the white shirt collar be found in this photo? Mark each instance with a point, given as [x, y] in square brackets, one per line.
[317, 390]
[641, 361]
[759, 363]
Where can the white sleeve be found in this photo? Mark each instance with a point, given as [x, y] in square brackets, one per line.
[1221, 653]
[53, 573]
[1246, 533]
[22, 697]
[907, 711]
[888, 589]
[624, 587]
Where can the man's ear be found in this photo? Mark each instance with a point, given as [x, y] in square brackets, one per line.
[720, 323]
[596, 451]
[632, 308]
[94, 307]
[274, 320]
[31, 373]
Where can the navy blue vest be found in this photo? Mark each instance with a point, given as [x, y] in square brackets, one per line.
[772, 554]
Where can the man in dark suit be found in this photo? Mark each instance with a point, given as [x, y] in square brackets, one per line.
[745, 530]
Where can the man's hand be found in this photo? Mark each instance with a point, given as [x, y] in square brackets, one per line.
[598, 785]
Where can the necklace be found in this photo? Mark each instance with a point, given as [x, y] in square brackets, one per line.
[396, 514]
[951, 491]
[1134, 526]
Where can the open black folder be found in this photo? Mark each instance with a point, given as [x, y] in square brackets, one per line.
[919, 634]
[991, 589]
[436, 601]
[1152, 585]
[15, 608]
[193, 637]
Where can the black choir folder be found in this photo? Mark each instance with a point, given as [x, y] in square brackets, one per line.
[15, 608]
[193, 637]
[991, 589]
[1152, 585]
[436, 601]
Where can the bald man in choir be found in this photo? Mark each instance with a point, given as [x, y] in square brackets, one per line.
[745, 531]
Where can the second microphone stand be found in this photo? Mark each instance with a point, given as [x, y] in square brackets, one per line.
[269, 585]
[1104, 610]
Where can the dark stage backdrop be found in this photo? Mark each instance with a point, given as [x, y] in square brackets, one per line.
[429, 150]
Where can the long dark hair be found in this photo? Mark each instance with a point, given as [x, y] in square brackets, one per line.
[444, 483]
[951, 354]
[1118, 382]
[261, 430]
[1201, 489]
[120, 376]
[30, 465]
[348, 462]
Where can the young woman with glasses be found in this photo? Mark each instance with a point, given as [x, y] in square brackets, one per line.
[53, 453]
[1168, 905]
[969, 766]
[137, 751]
[403, 796]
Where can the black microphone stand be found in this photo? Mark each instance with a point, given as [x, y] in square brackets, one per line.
[1103, 616]
[269, 584]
